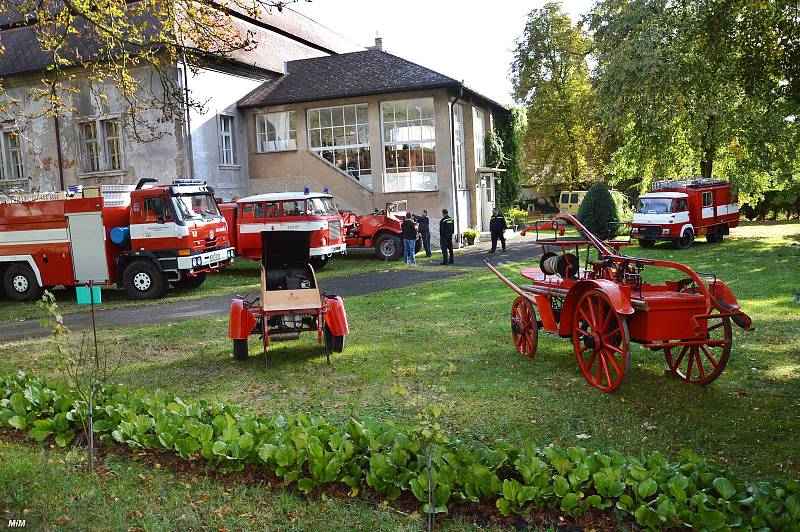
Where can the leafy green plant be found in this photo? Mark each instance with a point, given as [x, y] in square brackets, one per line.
[424, 459]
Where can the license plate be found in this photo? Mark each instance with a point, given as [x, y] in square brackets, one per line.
[214, 256]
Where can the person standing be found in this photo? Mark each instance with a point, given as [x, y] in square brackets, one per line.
[497, 226]
[424, 231]
[446, 229]
[409, 234]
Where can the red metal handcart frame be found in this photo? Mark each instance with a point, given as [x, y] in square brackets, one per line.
[607, 305]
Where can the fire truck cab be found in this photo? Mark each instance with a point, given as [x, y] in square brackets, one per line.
[142, 238]
[679, 211]
[314, 212]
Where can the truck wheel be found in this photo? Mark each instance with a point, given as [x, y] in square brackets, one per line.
[142, 280]
[646, 243]
[240, 352]
[389, 247]
[190, 282]
[685, 240]
[717, 235]
[19, 283]
[319, 261]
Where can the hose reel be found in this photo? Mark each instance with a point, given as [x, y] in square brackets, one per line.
[565, 265]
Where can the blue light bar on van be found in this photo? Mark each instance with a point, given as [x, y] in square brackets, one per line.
[325, 190]
[306, 190]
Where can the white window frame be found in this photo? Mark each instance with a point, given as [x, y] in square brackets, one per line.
[461, 152]
[361, 129]
[231, 136]
[11, 170]
[479, 135]
[285, 140]
[710, 195]
[103, 156]
[421, 141]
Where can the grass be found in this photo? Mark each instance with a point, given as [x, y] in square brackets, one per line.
[240, 276]
[746, 420]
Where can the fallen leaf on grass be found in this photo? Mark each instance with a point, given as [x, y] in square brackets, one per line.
[583, 436]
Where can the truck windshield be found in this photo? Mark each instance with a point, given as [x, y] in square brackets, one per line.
[195, 206]
[320, 206]
[655, 205]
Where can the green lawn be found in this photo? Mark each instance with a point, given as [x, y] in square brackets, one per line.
[240, 276]
[746, 420]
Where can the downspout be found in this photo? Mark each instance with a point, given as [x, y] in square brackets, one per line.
[58, 153]
[187, 118]
[453, 151]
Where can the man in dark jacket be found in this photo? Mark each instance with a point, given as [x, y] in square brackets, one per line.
[424, 231]
[447, 227]
[409, 234]
[497, 225]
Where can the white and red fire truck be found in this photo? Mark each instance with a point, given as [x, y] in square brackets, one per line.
[679, 211]
[142, 238]
[286, 211]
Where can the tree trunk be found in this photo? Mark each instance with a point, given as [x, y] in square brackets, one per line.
[707, 163]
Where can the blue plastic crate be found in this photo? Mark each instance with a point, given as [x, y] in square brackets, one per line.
[82, 292]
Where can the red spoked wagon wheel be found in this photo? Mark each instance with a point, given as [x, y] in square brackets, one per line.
[601, 341]
[524, 327]
[703, 363]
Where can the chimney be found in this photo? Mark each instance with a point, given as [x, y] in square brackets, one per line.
[378, 45]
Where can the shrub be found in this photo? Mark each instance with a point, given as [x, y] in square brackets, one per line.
[516, 217]
[598, 212]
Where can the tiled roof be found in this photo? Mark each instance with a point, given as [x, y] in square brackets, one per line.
[348, 75]
[306, 38]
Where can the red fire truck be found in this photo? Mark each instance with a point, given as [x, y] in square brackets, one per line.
[679, 211]
[142, 238]
[286, 211]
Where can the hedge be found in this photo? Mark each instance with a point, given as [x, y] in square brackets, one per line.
[391, 459]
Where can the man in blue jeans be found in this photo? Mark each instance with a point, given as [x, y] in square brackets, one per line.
[409, 234]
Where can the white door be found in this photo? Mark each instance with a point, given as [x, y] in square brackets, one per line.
[486, 198]
[88, 240]
[479, 224]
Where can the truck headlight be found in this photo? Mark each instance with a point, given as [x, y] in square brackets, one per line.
[324, 241]
[635, 230]
[665, 231]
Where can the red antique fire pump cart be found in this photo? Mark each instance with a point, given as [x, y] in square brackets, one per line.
[607, 304]
[290, 301]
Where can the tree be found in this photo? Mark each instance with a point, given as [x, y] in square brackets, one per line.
[598, 212]
[509, 132]
[699, 87]
[109, 41]
[564, 141]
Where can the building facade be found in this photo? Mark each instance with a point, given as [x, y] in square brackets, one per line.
[373, 128]
[93, 142]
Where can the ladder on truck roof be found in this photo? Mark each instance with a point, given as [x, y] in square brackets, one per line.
[113, 195]
[687, 183]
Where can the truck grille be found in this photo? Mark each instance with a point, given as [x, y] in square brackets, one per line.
[650, 231]
[334, 230]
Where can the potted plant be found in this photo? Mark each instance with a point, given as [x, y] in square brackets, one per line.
[469, 236]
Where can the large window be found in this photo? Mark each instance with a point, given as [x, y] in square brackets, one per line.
[458, 133]
[101, 145]
[409, 144]
[340, 135]
[479, 128]
[276, 132]
[227, 149]
[10, 156]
